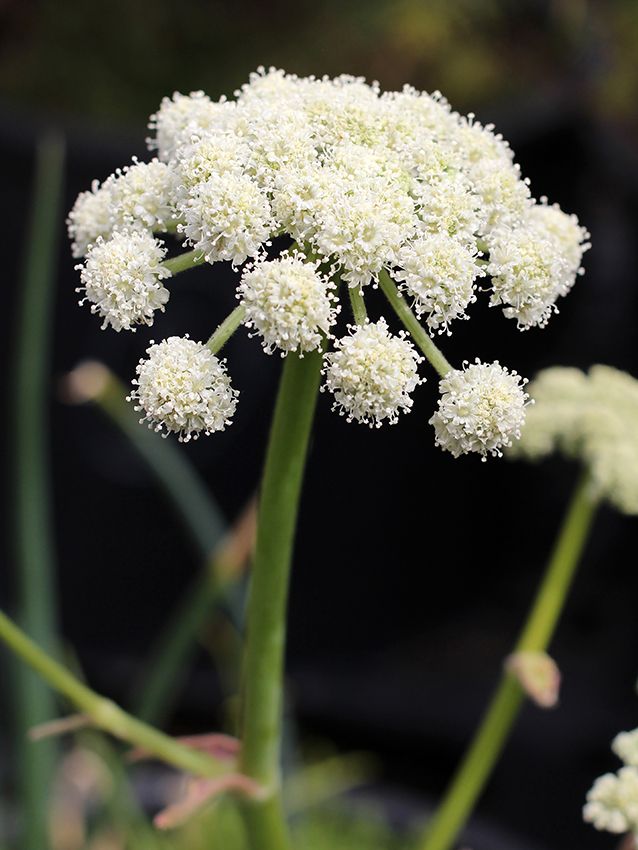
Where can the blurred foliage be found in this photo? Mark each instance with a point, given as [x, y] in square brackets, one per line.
[116, 62]
[95, 807]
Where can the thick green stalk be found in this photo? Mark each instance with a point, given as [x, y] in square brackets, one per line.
[262, 686]
[36, 602]
[535, 636]
[104, 713]
[183, 262]
[432, 353]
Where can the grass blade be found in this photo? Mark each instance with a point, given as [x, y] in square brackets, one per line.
[35, 559]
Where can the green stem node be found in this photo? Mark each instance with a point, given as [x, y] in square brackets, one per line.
[104, 713]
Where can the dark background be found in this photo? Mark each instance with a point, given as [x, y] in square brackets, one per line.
[413, 571]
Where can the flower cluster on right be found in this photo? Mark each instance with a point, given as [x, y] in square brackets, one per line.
[314, 188]
[612, 802]
[591, 417]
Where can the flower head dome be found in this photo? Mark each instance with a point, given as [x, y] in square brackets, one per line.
[481, 409]
[227, 218]
[372, 373]
[122, 279]
[612, 802]
[182, 117]
[592, 417]
[373, 189]
[182, 387]
[141, 195]
[288, 302]
[534, 263]
[439, 271]
[625, 745]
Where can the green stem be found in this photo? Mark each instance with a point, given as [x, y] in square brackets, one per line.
[358, 305]
[262, 693]
[183, 262]
[432, 353]
[102, 712]
[535, 636]
[35, 548]
[227, 328]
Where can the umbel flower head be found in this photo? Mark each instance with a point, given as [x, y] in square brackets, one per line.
[481, 409]
[359, 187]
[182, 387]
[612, 802]
[288, 302]
[122, 279]
[371, 374]
[590, 417]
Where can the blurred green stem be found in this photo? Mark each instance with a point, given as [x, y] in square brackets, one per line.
[262, 691]
[506, 702]
[202, 518]
[431, 351]
[36, 603]
[104, 713]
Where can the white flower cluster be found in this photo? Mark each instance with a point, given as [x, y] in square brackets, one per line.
[592, 417]
[534, 264]
[371, 374]
[289, 303]
[612, 802]
[481, 409]
[367, 184]
[182, 387]
[122, 279]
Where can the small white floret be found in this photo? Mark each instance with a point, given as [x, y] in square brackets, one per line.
[439, 272]
[122, 279]
[612, 802]
[183, 117]
[372, 374]
[227, 218]
[288, 302]
[90, 218]
[182, 387]
[625, 745]
[481, 409]
[141, 195]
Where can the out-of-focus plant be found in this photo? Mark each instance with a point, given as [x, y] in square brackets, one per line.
[320, 189]
[224, 553]
[34, 548]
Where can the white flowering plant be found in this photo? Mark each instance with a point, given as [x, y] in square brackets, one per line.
[316, 191]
